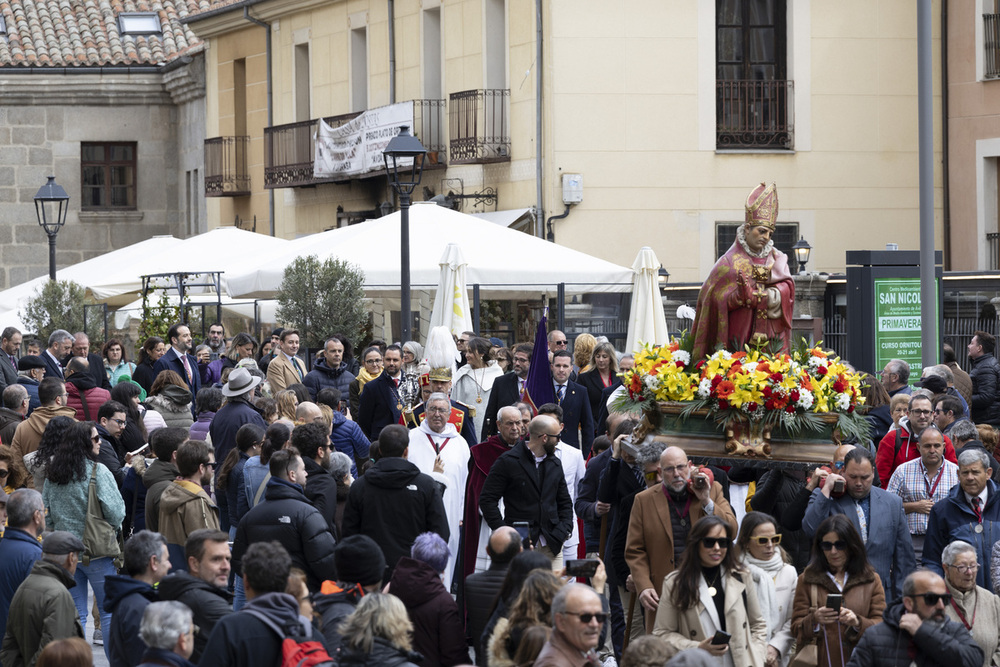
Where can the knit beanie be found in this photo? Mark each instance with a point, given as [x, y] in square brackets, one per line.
[359, 560]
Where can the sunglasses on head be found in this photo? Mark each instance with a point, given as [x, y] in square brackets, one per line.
[841, 545]
[931, 599]
[712, 542]
[588, 617]
[763, 540]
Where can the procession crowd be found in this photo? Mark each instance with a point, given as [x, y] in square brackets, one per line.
[230, 503]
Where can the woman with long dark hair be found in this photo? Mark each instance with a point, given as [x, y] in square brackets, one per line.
[248, 441]
[70, 464]
[473, 382]
[243, 346]
[152, 349]
[838, 566]
[134, 435]
[711, 592]
[52, 437]
[371, 368]
[520, 567]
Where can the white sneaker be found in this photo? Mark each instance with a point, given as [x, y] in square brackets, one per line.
[98, 637]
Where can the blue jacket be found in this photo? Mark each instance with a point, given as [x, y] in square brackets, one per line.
[889, 546]
[31, 386]
[234, 484]
[347, 437]
[953, 519]
[228, 421]
[254, 473]
[18, 553]
[322, 376]
[126, 599]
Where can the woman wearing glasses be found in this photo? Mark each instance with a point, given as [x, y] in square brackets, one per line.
[711, 593]
[371, 368]
[839, 566]
[973, 606]
[761, 554]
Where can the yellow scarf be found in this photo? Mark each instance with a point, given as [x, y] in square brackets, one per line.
[364, 377]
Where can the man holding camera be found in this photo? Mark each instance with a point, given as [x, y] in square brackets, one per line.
[876, 514]
[685, 495]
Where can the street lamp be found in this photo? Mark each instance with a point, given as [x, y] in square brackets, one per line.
[404, 162]
[802, 250]
[51, 207]
[662, 277]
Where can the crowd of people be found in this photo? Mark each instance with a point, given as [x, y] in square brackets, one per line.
[400, 504]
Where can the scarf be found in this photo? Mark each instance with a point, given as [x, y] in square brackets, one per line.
[364, 377]
[763, 573]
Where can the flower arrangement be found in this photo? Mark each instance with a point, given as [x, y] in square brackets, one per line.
[787, 389]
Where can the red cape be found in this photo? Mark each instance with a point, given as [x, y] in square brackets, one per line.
[483, 456]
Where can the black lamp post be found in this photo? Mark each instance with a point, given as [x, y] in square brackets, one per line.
[51, 207]
[404, 162]
[662, 278]
[802, 250]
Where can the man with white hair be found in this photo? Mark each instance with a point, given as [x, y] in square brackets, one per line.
[577, 619]
[168, 631]
[969, 601]
[438, 450]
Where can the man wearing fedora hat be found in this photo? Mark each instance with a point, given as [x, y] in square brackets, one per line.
[237, 411]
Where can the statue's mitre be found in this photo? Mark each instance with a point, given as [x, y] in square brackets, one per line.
[762, 206]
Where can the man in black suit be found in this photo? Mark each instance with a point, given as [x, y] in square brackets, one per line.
[178, 360]
[532, 490]
[575, 402]
[81, 348]
[60, 343]
[10, 343]
[380, 403]
[507, 388]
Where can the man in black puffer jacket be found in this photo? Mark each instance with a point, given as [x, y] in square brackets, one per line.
[985, 374]
[330, 371]
[916, 632]
[287, 517]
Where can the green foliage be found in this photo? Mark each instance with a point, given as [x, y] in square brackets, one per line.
[157, 315]
[323, 298]
[57, 305]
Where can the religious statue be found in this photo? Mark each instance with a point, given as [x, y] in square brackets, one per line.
[747, 299]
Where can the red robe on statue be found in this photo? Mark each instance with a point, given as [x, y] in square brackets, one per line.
[733, 306]
[484, 455]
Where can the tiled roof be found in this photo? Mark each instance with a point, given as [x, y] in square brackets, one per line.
[75, 33]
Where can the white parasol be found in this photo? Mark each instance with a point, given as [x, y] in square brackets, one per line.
[647, 322]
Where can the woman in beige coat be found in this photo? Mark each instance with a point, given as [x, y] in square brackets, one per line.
[710, 592]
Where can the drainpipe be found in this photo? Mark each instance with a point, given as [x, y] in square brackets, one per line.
[392, 51]
[551, 238]
[945, 190]
[270, 97]
[540, 216]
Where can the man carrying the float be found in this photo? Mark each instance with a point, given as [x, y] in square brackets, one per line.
[747, 298]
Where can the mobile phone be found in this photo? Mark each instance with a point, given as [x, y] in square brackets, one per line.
[523, 530]
[721, 638]
[342, 406]
[585, 567]
[834, 600]
[141, 449]
[838, 486]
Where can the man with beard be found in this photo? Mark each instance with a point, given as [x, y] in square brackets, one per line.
[484, 455]
[747, 299]
[530, 481]
[916, 631]
[184, 505]
[313, 443]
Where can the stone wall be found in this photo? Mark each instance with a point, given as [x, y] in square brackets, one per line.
[43, 120]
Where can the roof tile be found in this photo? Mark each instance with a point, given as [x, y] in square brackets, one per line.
[72, 33]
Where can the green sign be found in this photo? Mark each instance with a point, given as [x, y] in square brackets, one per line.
[898, 322]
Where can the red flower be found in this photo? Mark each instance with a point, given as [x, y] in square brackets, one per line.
[769, 404]
[700, 364]
[776, 378]
[793, 395]
[723, 404]
[822, 370]
[850, 409]
[839, 387]
[752, 407]
[679, 364]
[725, 389]
[790, 409]
[716, 380]
[766, 391]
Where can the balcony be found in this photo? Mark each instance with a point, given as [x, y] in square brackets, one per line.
[754, 115]
[991, 45]
[226, 173]
[289, 150]
[480, 126]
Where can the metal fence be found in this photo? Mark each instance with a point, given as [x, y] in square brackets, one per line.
[754, 114]
[991, 46]
[479, 126]
[226, 172]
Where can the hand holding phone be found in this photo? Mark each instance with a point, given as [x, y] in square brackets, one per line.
[721, 638]
[834, 601]
[524, 531]
[585, 567]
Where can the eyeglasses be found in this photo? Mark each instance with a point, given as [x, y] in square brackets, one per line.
[838, 465]
[211, 464]
[652, 476]
[672, 469]
[373, 361]
[120, 422]
[437, 411]
[586, 618]
[195, 630]
[839, 545]
[713, 542]
[964, 569]
[931, 599]
[559, 343]
[96, 439]
[922, 413]
[554, 435]
[764, 539]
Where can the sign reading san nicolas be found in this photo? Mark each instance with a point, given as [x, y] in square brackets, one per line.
[898, 322]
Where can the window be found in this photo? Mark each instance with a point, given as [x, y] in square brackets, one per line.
[785, 235]
[139, 23]
[108, 176]
[752, 93]
[303, 111]
[359, 69]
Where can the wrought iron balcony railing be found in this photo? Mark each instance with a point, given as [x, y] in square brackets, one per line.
[480, 126]
[754, 114]
[991, 46]
[226, 172]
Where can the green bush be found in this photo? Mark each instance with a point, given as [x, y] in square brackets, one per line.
[322, 298]
[57, 305]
